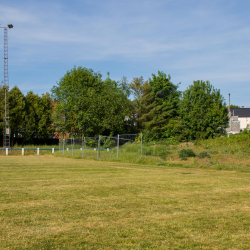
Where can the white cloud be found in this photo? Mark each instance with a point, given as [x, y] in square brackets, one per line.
[206, 39]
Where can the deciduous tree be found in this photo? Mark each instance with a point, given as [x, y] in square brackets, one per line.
[203, 111]
[87, 104]
[17, 111]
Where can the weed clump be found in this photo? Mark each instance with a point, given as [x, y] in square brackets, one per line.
[214, 152]
[185, 153]
[203, 155]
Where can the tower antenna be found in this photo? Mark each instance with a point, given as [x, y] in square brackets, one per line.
[6, 118]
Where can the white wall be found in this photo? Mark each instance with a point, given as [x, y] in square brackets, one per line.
[244, 121]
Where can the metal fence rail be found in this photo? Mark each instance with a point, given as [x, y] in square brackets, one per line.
[93, 146]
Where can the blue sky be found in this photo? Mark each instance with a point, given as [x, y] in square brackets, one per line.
[190, 40]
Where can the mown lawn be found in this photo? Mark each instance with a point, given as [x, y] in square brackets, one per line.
[50, 202]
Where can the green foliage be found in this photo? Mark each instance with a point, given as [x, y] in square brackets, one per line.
[1, 108]
[139, 88]
[203, 111]
[38, 116]
[203, 154]
[108, 142]
[185, 153]
[90, 106]
[161, 105]
[17, 111]
[30, 115]
[214, 152]
[91, 142]
[234, 106]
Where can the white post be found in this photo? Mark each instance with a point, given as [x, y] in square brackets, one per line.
[22, 151]
[7, 151]
[53, 150]
[37, 151]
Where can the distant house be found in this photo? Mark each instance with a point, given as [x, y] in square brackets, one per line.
[239, 120]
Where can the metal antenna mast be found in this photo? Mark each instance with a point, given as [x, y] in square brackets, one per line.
[6, 126]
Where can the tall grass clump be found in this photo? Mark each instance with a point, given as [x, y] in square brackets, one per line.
[185, 153]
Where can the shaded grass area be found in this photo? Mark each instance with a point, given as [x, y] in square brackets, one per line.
[64, 203]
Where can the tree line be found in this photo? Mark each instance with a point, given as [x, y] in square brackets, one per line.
[82, 103]
[30, 115]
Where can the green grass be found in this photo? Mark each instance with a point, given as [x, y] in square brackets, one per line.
[209, 154]
[51, 202]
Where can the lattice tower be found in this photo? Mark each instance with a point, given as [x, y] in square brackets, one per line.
[6, 127]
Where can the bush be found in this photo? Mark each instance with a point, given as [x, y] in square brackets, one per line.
[214, 152]
[203, 154]
[184, 153]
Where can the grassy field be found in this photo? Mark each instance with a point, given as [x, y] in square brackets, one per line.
[51, 202]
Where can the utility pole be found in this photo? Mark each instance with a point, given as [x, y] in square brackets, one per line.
[6, 118]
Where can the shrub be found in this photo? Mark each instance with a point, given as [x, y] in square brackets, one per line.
[203, 154]
[214, 152]
[184, 153]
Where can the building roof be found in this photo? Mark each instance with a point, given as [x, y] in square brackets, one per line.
[240, 112]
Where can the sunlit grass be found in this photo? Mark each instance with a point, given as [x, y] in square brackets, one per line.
[63, 203]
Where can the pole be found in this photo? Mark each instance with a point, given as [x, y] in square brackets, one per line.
[99, 142]
[117, 146]
[83, 147]
[72, 140]
[141, 144]
[63, 146]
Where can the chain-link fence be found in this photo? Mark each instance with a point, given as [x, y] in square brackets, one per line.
[108, 147]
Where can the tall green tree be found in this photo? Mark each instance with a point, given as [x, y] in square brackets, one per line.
[1, 108]
[45, 127]
[139, 88]
[161, 105]
[203, 111]
[38, 117]
[87, 105]
[32, 116]
[17, 111]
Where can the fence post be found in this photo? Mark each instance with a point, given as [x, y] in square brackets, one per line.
[141, 144]
[22, 151]
[37, 151]
[7, 151]
[53, 150]
[72, 142]
[99, 142]
[117, 146]
[82, 148]
[63, 145]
